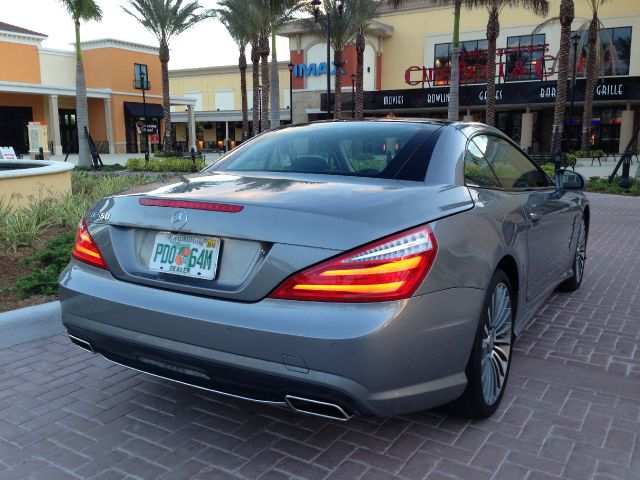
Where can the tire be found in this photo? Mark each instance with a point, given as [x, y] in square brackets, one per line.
[490, 361]
[573, 283]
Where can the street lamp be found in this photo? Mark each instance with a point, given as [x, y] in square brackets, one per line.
[260, 109]
[291, 66]
[144, 86]
[574, 41]
[353, 95]
[316, 10]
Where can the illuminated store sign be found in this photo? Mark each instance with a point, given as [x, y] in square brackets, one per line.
[313, 70]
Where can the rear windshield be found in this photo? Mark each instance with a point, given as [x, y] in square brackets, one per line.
[369, 149]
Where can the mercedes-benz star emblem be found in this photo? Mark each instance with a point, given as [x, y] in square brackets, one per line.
[178, 219]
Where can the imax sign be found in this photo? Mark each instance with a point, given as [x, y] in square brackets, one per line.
[313, 70]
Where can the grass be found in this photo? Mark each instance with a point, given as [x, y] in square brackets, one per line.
[23, 227]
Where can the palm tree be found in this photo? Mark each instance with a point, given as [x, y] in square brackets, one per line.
[255, 72]
[165, 19]
[454, 91]
[231, 15]
[593, 59]
[342, 31]
[494, 7]
[260, 17]
[359, 13]
[454, 87]
[566, 17]
[82, 10]
[280, 12]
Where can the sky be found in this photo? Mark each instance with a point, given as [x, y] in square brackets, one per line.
[206, 44]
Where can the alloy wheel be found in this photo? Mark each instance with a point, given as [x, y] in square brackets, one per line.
[496, 344]
[581, 252]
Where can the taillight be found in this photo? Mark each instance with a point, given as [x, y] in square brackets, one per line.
[389, 269]
[85, 249]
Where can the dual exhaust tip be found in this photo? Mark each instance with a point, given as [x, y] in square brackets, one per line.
[307, 406]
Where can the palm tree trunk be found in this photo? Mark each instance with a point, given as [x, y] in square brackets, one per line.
[337, 108]
[242, 65]
[360, 45]
[82, 107]
[264, 60]
[567, 15]
[274, 91]
[493, 30]
[592, 67]
[454, 91]
[255, 61]
[166, 102]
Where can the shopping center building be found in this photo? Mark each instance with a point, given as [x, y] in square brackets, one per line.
[38, 84]
[407, 70]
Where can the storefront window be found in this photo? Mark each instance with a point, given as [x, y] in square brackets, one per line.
[615, 44]
[525, 57]
[473, 62]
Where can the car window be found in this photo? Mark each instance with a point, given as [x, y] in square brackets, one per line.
[512, 168]
[477, 170]
[373, 149]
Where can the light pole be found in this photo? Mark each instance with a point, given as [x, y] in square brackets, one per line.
[353, 95]
[291, 65]
[143, 86]
[316, 10]
[260, 109]
[574, 40]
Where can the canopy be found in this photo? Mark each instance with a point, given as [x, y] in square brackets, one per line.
[136, 109]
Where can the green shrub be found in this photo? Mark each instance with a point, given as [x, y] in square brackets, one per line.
[549, 169]
[169, 164]
[49, 263]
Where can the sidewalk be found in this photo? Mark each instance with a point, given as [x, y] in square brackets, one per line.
[585, 169]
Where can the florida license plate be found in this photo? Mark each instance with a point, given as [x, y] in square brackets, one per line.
[187, 255]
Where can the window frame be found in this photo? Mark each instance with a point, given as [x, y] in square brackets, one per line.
[582, 56]
[478, 78]
[531, 75]
[552, 184]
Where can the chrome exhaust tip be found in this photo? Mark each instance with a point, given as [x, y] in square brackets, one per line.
[317, 408]
[82, 343]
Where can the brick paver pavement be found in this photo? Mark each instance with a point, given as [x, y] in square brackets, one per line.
[571, 410]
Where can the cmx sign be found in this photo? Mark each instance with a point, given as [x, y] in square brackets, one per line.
[313, 70]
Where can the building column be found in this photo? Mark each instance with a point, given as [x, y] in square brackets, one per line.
[54, 127]
[192, 126]
[468, 117]
[227, 141]
[108, 117]
[526, 136]
[626, 128]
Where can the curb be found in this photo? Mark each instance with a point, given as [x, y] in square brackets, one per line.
[30, 323]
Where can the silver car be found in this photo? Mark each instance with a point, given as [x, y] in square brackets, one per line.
[337, 268]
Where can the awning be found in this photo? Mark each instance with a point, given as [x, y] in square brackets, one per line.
[136, 109]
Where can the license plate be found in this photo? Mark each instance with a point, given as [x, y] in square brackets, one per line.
[187, 255]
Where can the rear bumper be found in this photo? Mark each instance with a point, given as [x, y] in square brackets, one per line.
[381, 358]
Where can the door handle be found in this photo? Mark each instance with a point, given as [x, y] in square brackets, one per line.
[535, 217]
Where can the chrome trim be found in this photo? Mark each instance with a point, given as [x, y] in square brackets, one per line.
[79, 342]
[345, 416]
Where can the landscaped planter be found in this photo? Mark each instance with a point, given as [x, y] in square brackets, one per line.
[21, 180]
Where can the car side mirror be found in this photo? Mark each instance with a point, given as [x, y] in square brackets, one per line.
[569, 180]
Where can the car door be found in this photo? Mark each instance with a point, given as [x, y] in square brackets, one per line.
[548, 211]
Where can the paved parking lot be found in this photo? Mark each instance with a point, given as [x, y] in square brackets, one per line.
[571, 410]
